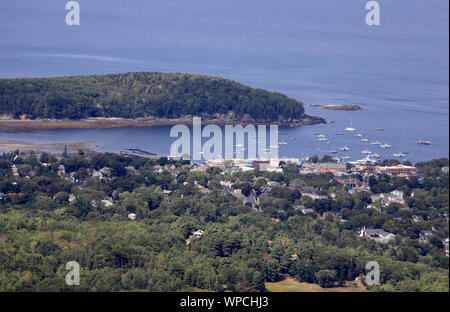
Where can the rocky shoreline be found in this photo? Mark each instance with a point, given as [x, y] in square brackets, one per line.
[105, 123]
[346, 107]
[73, 146]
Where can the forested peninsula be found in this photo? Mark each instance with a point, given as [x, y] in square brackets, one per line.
[145, 97]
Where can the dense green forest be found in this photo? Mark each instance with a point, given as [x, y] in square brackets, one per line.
[134, 95]
[50, 216]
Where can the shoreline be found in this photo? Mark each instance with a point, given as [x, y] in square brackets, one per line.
[342, 107]
[73, 146]
[17, 125]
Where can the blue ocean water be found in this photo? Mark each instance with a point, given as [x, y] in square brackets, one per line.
[320, 52]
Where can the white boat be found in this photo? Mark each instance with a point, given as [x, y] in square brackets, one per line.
[351, 126]
[346, 157]
[366, 160]
[398, 155]
[282, 143]
[422, 142]
[366, 152]
[364, 140]
[345, 148]
[332, 152]
[322, 139]
[376, 143]
[358, 135]
[385, 146]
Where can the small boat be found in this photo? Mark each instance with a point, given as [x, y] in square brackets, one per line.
[398, 155]
[380, 129]
[424, 142]
[366, 152]
[376, 143]
[351, 126]
[364, 140]
[358, 135]
[322, 139]
[385, 146]
[282, 143]
[332, 152]
[346, 157]
[339, 133]
[364, 160]
[345, 148]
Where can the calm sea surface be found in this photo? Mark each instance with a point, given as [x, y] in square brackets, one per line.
[320, 52]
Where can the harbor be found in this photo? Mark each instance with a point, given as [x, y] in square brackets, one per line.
[356, 136]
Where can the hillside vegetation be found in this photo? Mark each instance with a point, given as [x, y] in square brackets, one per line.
[78, 207]
[134, 95]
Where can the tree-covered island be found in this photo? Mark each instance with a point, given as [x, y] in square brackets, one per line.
[147, 95]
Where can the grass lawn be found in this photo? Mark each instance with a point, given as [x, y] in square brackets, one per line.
[202, 290]
[290, 284]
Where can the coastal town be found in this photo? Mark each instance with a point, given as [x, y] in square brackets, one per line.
[252, 182]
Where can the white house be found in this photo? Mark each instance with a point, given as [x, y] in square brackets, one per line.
[198, 233]
[107, 202]
[61, 170]
[15, 170]
[72, 198]
[378, 235]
